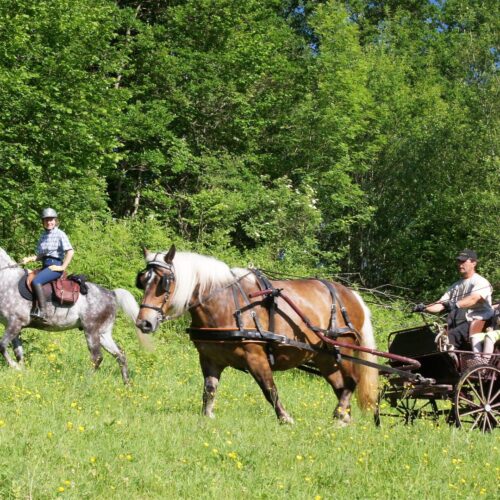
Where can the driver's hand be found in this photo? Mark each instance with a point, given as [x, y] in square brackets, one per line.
[419, 308]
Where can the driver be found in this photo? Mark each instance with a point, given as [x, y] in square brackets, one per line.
[466, 300]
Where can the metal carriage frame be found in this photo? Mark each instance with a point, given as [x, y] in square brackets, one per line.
[467, 383]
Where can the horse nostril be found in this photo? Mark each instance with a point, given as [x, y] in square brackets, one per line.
[145, 326]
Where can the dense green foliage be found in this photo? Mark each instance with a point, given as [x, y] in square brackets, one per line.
[355, 136]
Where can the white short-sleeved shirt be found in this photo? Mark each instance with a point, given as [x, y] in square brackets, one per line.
[53, 243]
[464, 287]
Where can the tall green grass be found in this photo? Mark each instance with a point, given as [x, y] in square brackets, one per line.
[68, 432]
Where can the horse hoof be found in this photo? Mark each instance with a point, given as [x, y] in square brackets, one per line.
[286, 419]
[340, 423]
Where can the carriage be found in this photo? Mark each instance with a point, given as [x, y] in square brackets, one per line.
[460, 386]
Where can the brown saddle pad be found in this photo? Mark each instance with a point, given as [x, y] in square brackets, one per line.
[62, 291]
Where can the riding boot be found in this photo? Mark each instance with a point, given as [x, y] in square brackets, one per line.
[38, 311]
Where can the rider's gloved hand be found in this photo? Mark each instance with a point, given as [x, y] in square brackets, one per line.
[419, 308]
[58, 269]
[26, 260]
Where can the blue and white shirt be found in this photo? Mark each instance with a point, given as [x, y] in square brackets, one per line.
[53, 243]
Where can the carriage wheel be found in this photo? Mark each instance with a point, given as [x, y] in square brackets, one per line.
[477, 399]
[395, 407]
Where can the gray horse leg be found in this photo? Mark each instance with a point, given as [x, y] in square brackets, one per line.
[110, 345]
[11, 333]
[94, 348]
[17, 345]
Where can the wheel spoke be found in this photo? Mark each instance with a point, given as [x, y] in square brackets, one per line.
[474, 391]
[489, 423]
[468, 401]
[481, 389]
[476, 421]
[472, 412]
[495, 396]
[492, 384]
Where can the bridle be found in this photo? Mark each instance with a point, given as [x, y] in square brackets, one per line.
[166, 280]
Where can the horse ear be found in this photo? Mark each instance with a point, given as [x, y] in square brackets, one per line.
[170, 255]
[145, 251]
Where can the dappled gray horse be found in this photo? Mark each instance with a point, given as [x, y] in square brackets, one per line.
[94, 313]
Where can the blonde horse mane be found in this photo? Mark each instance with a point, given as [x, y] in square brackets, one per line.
[200, 273]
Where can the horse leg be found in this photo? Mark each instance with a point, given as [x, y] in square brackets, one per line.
[11, 333]
[211, 375]
[17, 345]
[260, 369]
[110, 345]
[94, 346]
[342, 384]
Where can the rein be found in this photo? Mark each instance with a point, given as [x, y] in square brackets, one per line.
[11, 266]
[410, 363]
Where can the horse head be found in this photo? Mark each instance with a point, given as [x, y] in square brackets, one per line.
[158, 282]
[6, 260]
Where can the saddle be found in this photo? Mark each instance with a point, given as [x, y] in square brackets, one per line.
[63, 291]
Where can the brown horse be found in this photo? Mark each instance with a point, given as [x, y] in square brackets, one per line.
[247, 322]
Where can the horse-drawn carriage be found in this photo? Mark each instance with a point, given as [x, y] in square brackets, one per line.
[462, 386]
[244, 320]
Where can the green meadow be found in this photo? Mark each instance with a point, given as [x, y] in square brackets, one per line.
[68, 432]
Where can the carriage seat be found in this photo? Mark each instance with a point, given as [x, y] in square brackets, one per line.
[480, 325]
[477, 326]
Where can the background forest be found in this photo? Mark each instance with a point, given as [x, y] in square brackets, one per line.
[325, 137]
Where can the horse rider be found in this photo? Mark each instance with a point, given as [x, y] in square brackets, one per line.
[55, 251]
[466, 300]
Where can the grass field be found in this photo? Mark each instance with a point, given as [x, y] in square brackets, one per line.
[67, 432]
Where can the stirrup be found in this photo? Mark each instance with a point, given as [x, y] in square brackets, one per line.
[37, 313]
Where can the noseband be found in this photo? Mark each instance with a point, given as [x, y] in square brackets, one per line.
[166, 282]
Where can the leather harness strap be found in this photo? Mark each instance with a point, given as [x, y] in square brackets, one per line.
[218, 334]
[333, 330]
[270, 294]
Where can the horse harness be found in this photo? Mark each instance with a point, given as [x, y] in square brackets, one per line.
[328, 336]
[270, 337]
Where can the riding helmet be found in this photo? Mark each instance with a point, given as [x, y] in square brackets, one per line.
[48, 213]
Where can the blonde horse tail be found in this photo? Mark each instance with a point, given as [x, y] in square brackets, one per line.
[367, 388]
[130, 307]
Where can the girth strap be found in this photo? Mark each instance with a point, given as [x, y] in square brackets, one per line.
[271, 304]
